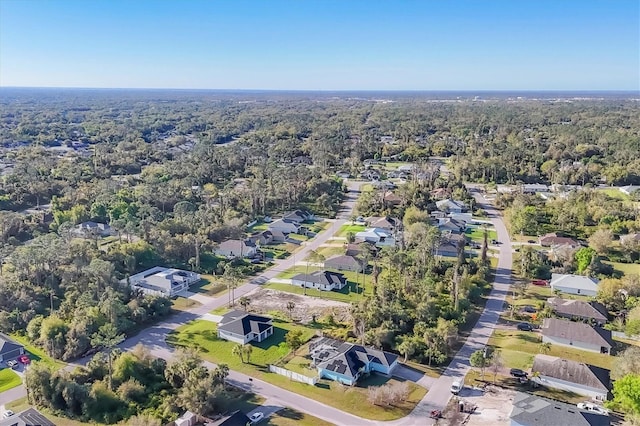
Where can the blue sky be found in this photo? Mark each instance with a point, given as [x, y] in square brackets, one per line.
[322, 44]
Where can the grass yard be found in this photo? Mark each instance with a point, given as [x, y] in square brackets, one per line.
[37, 354]
[209, 285]
[184, 304]
[344, 295]
[8, 379]
[625, 268]
[290, 417]
[203, 336]
[367, 187]
[328, 252]
[346, 228]
[260, 226]
[615, 193]
[519, 347]
[477, 234]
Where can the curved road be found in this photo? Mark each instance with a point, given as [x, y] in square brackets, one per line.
[438, 395]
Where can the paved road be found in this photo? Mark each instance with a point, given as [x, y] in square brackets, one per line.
[439, 393]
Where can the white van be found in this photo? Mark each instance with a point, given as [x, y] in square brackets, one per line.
[456, 387]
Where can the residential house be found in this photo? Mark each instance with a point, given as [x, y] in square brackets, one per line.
[346, 363]
[450, 206]
[28, 417]
[574, 284]
[9, 349]
[163, 281]
[440, 193]
[345, 263]
[286, 226]
[233, 249]
[302, 160]
[629, 238]
[406, 168]
[572, 376]
[92, 229]
[371, 174]
[343, 174]
[447, 225]
[357, 250]
[242, 327]
[377, 236]
[578, 310]
[532, 410]
[553, 239]
[385, 184]
[299, 216]
[391, 199]
[187, 419]
[534, 188]
[448, 246]
[387, 223]
[321, 280]
[629, 189]
[262, 238]
[576, 335]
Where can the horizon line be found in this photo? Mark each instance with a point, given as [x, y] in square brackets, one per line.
[332, 90]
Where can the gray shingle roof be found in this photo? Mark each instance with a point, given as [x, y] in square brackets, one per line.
[29, 417]
[8, 345]
[572, 371]
[341, 261]
[574, 281]
[578, 308]
[322, 277]
[346, 358]
[531, 410]
[577, 332]
[243, 323]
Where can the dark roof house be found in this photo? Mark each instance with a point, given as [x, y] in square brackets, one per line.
[344, 263]
[553, 239]
[9, 349]
[578, 309]
[531, 410]
[322, 280]
[572, 375]
[576, 334]
[237, 418]
[29, 417]
[242, 327]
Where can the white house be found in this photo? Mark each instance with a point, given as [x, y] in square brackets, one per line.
[377, 236]
[90, 229]
[321, 280]
[242, 327]
[574, 284]
[451, 206]
[576, 335]
[165, 281]
[572, 376]
[236, 248]
[286, 226]
[533, 188]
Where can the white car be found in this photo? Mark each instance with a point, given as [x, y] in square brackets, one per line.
[456, 387]
[588, 406]
[256, 417]
[7, 413]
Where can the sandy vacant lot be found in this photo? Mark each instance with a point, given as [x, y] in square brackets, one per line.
[493, 408]
[265, 300]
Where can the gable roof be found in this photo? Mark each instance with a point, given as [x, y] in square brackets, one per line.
[29, 417]
[577, 332]
[556, 240]
[386, 222]
[243, 323]
[346, 358]
[344, 260]
[574, 281]
[8, 345]
[322, 277]
[531, 410]
[237, 418]
[236, 246]
[355, 249]
[449, 204]
[572, 371]
[578, 308]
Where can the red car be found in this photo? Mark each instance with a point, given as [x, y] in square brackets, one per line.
[24, 359]
[542, 283]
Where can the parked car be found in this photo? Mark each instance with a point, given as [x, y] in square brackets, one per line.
[529, 309]
[7, 413]
[516, 372]
[456, 387]
[525, 326]
[24, 359]
[256, 417]
[531, 241]
[541, 283]
[12, 364]
[589, 406]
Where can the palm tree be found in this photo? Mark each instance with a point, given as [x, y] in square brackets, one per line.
[238, 351]
[107, 337]
[290, 307]
[314, 257]
[245, 302]
[248, 350]
[545, 348]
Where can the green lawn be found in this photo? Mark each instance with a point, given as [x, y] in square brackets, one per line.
[202, 335]
[328, 252]
[8, 379]
[615, 193]
[346, 228]
[367, 187]
[625, 268]
[290, 417]
[260, 226]
[184, 304]
[37, 354]
[344, 295]
[519, 347]
[209, 285]
[477, 234]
